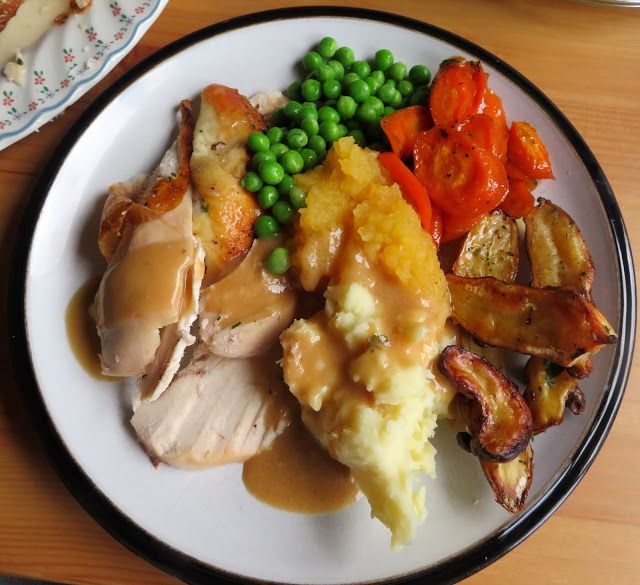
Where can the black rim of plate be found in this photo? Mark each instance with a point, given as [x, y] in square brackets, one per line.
[448, 570]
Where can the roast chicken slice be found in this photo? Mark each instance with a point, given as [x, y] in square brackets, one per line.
[217, 410]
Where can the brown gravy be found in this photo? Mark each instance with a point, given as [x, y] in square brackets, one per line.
[297, 475]
[81, 330]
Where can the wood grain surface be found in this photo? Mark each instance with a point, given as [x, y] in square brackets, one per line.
[584, 57]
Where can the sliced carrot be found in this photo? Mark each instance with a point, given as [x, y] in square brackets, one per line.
[456, 226]
[412, 189]
[519, 201]
[457, 92]
[513, 172]
[526, 151]
[487, 133]
[436, 226]
[460, 177]
[492, 106]
[402, 128]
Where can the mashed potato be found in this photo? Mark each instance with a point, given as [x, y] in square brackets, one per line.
[363, 369]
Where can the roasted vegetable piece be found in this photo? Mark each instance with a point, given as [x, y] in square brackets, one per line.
[490, 249]
[556, 325]
[487, 133]
[436, 226]
[510, 481]
[519, 200]
[461, 178]
[497, 419]
[412, 189]
[557, 251]
[457, 92]
[550, 389]
[559, 257]
[402, 128]
[526, 151]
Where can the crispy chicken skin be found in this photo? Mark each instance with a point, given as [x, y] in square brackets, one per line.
[224, 219]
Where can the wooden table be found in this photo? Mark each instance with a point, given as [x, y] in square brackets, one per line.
[587, 59]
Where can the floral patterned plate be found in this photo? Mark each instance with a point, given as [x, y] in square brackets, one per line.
[69, 60]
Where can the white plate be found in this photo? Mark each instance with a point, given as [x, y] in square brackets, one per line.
[69, 60]
[200, 524]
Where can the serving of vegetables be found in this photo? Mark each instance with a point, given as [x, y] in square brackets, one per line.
[466, 172]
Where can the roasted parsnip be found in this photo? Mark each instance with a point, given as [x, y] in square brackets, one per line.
[556, 325]
[497, 419]
[550, 389]
[490, 249]
[510, 481]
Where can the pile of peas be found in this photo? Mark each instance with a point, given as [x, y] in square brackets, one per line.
[339, 97]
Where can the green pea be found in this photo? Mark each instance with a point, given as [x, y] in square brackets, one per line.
[329, 130]
[366, 112]
[386, 93]
[279, 118]
[258, 142]
[312, 61]
[396, 99]
[361, 68]
[252, 182]
[405, 87]
[310, 159]
[358, 136]
[310, 126]
[293, 91]
[266, 227]
[285, 185]
[271, 172]
[379, 76]
[311, 90]
[327, 47]
[330, 103]
[324, 73]
[328, 113]
[348, 79]
[292, 110]
[260, 157]
[397, 71]
[376, 103]
[383, 59]
[296, 138]
[346, 107]
[298, 197]
[332, 89]
[278, 148]
[390, 82]
[318, 144]
[388, 110]
[308, 111]
[275, 134]
[283, 212]
[278, 261]
[338, 69]
[345, 55]
[267, 196]
[292, 162]
[342, 130]
[420, 97]
[359, 90]
[373, 84]
[419, 75]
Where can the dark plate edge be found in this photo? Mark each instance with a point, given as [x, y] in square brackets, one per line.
[193, 571]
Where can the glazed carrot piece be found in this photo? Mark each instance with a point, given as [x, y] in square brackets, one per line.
[460, 177]
[519, 200]
[487, 133]
[411, 188]
[456, 226]
[402, 128]
[457, 92]
[492, 106]
[527, 152]
[513, 172]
